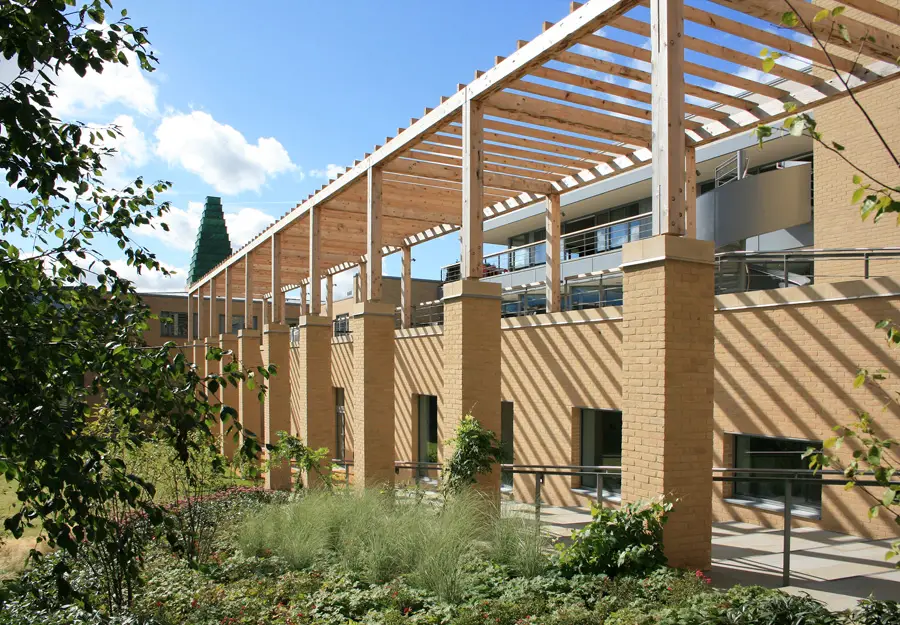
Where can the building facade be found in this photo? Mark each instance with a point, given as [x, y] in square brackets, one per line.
[673, 300]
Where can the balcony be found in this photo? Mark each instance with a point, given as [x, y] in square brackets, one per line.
[585, 251]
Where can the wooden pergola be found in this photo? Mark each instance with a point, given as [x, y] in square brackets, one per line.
[552, 117]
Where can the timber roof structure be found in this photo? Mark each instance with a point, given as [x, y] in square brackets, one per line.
[566, 109]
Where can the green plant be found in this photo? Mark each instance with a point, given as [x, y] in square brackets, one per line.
[624, 541]
[309, 461]
[475, 451]
[777, 608]
[873, 612]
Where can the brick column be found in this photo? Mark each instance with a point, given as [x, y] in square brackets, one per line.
[667, 390]
[372, 328]
[249, 343]
[230, 395]
[276, 346]
[471, 364]
[312, 396]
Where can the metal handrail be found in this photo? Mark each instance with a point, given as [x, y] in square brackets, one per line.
[788, 476]
[720, 474]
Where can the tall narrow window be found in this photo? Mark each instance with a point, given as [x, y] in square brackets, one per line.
[765, 452]
[340, 425]
[221, 324]
[506, 440]
[428, 429]
[601, 445]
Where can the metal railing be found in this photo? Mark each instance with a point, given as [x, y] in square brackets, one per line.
[788, 477]
[516, 258]
[738, 272]
[341, 325]
[580, 244]
[424, 314]
[606, 237]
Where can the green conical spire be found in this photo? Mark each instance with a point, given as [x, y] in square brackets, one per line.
[213, 245]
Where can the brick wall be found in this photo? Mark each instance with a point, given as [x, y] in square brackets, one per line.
[342, 377]
[418, 370]
[787, 370]
[552, 364]
[837, 221]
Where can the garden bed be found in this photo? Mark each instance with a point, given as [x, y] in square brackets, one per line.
[333, 559]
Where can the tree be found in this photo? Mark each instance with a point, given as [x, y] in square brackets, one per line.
[874, 457]
[71, 328]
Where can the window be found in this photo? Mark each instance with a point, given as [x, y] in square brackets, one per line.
[196, 323]
[506, 440]
[340, 425]
[428, 429]
[765, 452]
[342, 325]
[176, 326]
[601, 445]
[221, 324]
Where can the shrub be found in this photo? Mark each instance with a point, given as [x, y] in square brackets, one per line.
[778, 608]
[627, 541]
[378, 537]
[475, 451]
[873, 612]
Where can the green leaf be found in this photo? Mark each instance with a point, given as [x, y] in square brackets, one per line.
[887, 498]
[845, 34]
[859, 380]
[789, 19]
[821, 15]
[837, 11]
[857, 179]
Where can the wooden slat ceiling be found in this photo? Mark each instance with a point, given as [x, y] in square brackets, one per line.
[567, 109]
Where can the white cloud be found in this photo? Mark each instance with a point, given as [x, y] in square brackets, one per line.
[219, 153]
[330, 172]
[342, 283]
[132, 150]
[127, 85]
[152, 280]
[243, 224]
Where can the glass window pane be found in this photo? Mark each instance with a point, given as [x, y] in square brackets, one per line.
[762, 452]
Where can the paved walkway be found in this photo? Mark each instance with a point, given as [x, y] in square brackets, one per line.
[835, 568]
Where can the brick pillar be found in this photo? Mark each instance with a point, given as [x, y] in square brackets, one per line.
[230, 395]
[372, 328]
[471, 364]
[276, 346]
[667, 366]
[249, 343]
[312, 395]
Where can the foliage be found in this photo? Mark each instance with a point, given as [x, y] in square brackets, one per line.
[624, 541]
[475, 451]
[237, 588]
[380, 537]
[71, 327]
[871, 612]
[309, 461]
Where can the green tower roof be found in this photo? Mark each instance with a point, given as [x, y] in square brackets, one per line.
[213, 245]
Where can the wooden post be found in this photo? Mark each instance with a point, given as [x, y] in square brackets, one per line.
[228, 301]
[329, 296]
[667, 126]
[264, 314]
[315, 272]
[248, 293]
[304, 306]
[553, 218]
[374, 240]
[361, 281]
[690, 192]
[277, 294]
[202, 315]
[406, 287]
[190, 317]
[472, 253]
[213, 308]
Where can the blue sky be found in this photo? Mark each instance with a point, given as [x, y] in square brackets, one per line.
[253, 101]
